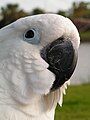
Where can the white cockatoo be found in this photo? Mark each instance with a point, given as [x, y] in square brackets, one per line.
[38, 55]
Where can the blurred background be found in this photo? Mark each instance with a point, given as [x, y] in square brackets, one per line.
[77, 101]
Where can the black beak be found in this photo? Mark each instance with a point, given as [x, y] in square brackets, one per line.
[62, 59]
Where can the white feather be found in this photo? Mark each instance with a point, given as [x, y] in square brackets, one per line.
[25, 81]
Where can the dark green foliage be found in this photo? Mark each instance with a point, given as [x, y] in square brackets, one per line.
[60, 12]
[80, 10]
[85, 36]
[10, 13]
[37, 11]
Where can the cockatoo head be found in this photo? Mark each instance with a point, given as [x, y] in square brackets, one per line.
[38, 54]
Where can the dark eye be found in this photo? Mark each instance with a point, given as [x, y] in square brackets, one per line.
[32, 36]
[29, 34]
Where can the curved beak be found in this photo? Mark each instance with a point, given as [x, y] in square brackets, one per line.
[62, 59]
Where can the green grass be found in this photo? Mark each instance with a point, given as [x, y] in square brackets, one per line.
[76, 104]
[85, 36]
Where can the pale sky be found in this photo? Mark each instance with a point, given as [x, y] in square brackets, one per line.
[48, 5]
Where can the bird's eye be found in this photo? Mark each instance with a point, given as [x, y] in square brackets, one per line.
[32, 36]
[29, 34]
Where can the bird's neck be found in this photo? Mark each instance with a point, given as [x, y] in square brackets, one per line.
[35, 110]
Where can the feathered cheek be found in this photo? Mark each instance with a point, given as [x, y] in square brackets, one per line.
[42, 81]
[38, 77]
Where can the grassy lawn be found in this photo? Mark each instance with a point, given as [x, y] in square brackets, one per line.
[76, 104]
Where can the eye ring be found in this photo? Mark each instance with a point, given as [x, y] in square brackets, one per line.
[32, 36]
